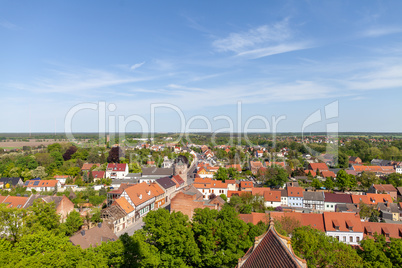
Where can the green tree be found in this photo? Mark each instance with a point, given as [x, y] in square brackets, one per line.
[172, 235]
[320, 250]
[329, 184]
[42, 215]
[73, 223]
[11, 221]
[367, 179]
[316, 183]
[373, 254]
[221, 174]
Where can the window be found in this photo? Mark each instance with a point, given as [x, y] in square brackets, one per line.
[337, 238]
[351, 239]
[357, 239]
[344, 239]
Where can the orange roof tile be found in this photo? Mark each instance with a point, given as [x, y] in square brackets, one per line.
[357, 198]
[319, 166]
[15, 201]
[139, 193]
[295, 191]
[379, 198]
[393, 230]
[41, 183]
[123, 203]
[339, 219]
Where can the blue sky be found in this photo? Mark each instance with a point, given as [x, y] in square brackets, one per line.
[277, 58]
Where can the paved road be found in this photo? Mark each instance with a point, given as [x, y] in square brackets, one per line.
[130, 230]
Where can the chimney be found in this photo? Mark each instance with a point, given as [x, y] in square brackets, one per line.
[83, 232]
[140, 196]
[99, 224]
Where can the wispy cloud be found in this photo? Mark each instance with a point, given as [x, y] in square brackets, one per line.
[136, 66]
[381, 31]
[262, 41]
[8, 25]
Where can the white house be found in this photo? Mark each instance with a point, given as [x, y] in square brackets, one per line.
[398, 169]
[295, 196]
[284, 197]
[42, 185]
[345, 227]
[332, 200]
[116, 171]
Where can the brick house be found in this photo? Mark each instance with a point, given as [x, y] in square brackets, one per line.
[189, 198]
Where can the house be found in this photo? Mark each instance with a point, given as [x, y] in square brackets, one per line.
[232, 185]
[6, 182]
[189, 198]
[357, 199]
[271, 250]
[345, 227]
[259, 153]
[179, 181]
[116, 171]
[332, 200]
[141, 197]
[62, 203]
[159, 195]
[320, 166]
[328, 174]
[328, 159]
[98, 175]
[219, 187]
[129, 213]
[115, 217]
[168, 185]
[295, 196]
[61, 178]
[209, 187]
[246, 186]
[116, 193]
[42, 185]
[205, 172]
[378, 170]
[389, 211]
[150, 174]
[355, 160]
[255, 166]
[313, 200]
[93, 237]
[398, 169]
[284, 197]
[380, 162]
[87, 166]
[272, 198]
[389, 230]
[384, 188]
[375, 199]
[14, 201]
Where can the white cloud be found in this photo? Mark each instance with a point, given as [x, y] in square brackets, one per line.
[377, 32]
[273, 50]
[136, 66]
[8, 25]
[262, 41]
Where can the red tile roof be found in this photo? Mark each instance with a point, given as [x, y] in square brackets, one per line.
[295, 191]
[246, 184]
[343, 221]
[327, 174]
[15, 201]
[116, 167]
[123, 203]
[357, 198]
[385, 187]
[393, 230]
[98, 174]
[41, 183]
[379, 198]
[319, 166]
[178, 180]
[88, 166]
[140, 193]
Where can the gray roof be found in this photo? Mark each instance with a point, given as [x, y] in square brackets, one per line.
[93, 237]
[154, 171]
[166, 182]
[13, 181]
[392, 207]
[191, 190]
[133, 175]
[315, 196]
[46, 198]
[284, 193]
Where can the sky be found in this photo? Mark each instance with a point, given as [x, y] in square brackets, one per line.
[221, 66]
